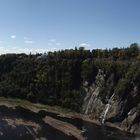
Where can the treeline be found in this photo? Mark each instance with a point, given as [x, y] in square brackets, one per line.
[57, 78]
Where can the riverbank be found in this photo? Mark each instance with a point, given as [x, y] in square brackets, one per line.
[58, 111]
[36, 107]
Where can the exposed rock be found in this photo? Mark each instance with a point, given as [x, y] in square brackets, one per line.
[91, 102]
[122, 111]
[65, 127]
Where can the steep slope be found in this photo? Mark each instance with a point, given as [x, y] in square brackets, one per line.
[119, 103]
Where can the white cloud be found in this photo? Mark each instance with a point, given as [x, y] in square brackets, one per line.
[53, 49]
[14, 49]
[50, 44]
[25, 50]
[32, 50]
[3, 50]
[57, 44]
[25, 38]
[13, 36]
[84, 45]
[41, 50]
[28, 42]
[52, 40]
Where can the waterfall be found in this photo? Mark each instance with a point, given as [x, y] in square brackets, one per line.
[107, 107]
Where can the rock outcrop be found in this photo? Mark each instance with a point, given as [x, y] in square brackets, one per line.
[123, 111]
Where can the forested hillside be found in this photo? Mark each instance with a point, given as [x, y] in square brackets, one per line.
[58, 77]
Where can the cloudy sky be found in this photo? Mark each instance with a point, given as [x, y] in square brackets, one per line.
[48, 25]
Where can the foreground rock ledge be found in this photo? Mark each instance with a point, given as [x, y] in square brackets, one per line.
[65, 127]
[38, 107]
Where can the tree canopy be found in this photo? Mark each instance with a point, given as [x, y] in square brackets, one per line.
[57, 78]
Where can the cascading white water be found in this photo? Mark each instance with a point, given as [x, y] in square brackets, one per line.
[107, 107]
[105, 113]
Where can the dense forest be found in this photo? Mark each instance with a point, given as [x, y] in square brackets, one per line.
[57, 78]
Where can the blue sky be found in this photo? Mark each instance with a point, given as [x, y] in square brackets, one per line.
[48, 25]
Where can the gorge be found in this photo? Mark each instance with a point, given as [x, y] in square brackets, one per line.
[102, 86]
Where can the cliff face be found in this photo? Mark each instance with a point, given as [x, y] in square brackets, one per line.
[92, 99]
[109, 106]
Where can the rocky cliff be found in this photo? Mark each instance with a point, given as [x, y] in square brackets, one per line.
[116, 103]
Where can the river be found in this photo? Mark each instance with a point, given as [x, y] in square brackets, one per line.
[23, 124]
